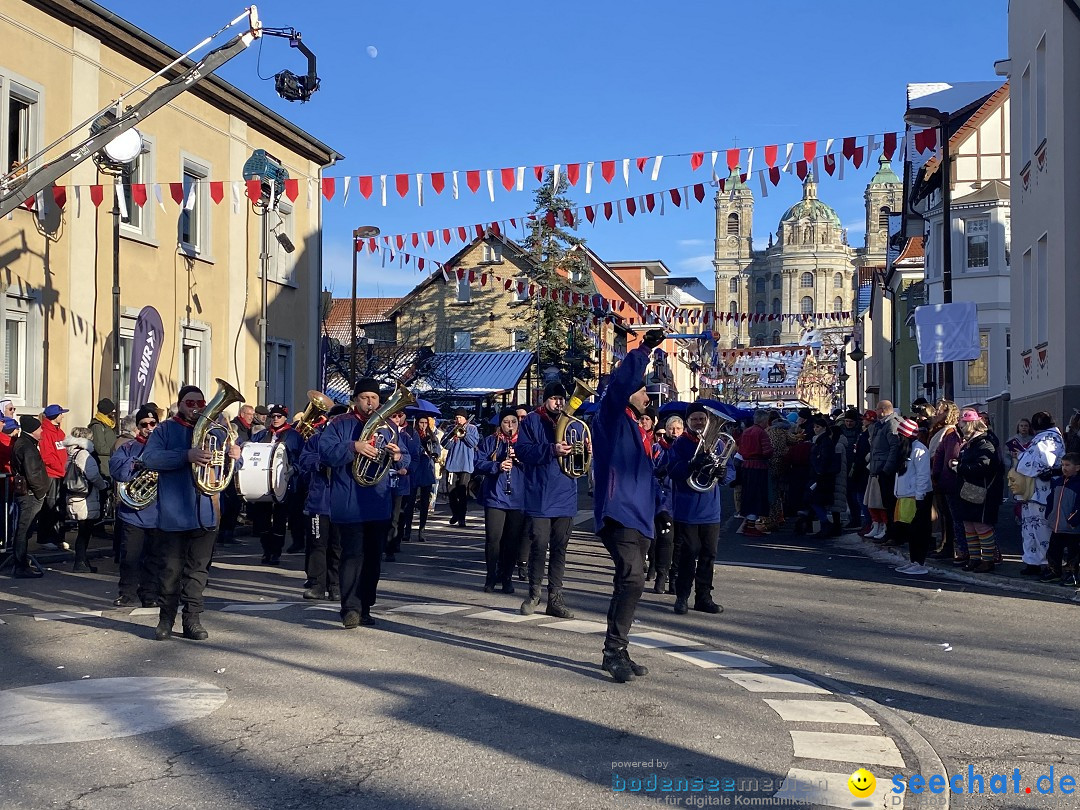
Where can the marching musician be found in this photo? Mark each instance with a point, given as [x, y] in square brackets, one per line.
[324, 541]
[361, 514]
[697, 515]
[523, 549]
[270, 519]
[625, 501]
[460, 442]
[502, 495]
[232, 502]
[138, 562]
[186, 517]
[551, 501]
[422, 476]
[401, 483]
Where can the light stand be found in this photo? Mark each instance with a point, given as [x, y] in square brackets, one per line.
[363, 232]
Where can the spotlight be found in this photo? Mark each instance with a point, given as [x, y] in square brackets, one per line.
[266, 168]
[286, 243]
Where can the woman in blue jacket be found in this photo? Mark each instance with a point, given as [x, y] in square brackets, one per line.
[422, 474]
[324, 543]
[502, 494]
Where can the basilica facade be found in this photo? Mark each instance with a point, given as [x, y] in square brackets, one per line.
[808, 266]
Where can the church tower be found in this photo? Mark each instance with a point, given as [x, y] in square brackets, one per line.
[734, 251]
[884, 196]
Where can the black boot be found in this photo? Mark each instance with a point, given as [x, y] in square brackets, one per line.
[531, 603]
[83, 566]
[489, 584]
[661, 583]
[705, 604]
[193, 628]
[556, 607]
[166, 619]
[617, 662]
[837, 527]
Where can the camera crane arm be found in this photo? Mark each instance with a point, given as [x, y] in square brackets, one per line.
[20, 185]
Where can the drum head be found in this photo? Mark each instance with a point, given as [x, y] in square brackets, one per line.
[279, 473]
[264, 476]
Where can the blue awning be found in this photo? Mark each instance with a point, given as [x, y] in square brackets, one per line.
[866, 291]
[475, 373]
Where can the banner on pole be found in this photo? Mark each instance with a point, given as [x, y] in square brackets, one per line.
[145, 353]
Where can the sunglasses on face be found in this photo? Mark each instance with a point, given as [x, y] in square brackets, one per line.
[195, 403]
[150, 423]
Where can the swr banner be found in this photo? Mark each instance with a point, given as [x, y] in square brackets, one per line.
[145, 352]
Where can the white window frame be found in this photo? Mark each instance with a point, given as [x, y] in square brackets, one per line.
[1027, 279]
[1025, 115]
[916, 378]
[16, 392]
[34, 95]
[128, 320]
[803, 308]
[140, 222]
[464, 290]
[976, 228]
[195, 335]
[1040, 92]
[803, 279]
[26, 311]
[201, 171]
[983, 359]
[1042, 292]
[277, 389]
[462, 336]
[519, 340]
[523, 295]
[493, 253]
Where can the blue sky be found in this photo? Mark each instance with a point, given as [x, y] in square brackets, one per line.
[481, 85]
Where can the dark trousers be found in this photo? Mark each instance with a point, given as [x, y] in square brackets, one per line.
[139, 565]
[361, 562]
[231, 504]
[1063, 552]
[82, 539]
[404, 529]
[502, 538]
[948, 525]
[458, 495]
[29, 507]
[415, 508]
[269, 521]
[185, 565]
[627, 548]
[697, 554]
[525, 547]
[887, 481]
[51, 519]
[956, 511]
[661, 547]
[393, 539]
[324, 554]
[550, 535]
[916, 533]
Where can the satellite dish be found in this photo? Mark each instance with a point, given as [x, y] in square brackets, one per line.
[121, 150]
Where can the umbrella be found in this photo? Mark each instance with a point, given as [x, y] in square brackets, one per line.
[730, 411]
[422, 408]
[675, 408]
[586, 408]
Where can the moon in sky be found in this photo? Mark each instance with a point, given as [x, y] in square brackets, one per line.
[372, 51]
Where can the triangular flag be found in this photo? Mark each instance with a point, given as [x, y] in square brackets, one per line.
[656, 167]
[438, 182]
[770, 155]
[507, 178]
[254, 190]
[176, 191]
[217, 191]
[696, 159]
[60, 195]
[328, 186]
[809, 151]
[573, 173]
[607, 170]
[401, 183]
[733, 158]
[138, 194]
[365, 182]
[472, 180]
[491, 184]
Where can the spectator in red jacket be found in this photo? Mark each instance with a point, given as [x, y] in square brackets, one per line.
[55, 456]
[755, 450]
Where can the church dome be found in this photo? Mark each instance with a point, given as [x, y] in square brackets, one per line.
[810, 207]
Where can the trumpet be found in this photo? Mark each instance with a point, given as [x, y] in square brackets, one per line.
[215, 438]
[318, 405]
[367, 472]
[711, 457]
[460, 431]
[574, 432]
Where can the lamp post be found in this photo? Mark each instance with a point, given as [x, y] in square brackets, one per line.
[363, 232]
[932, 117]
[857, 355]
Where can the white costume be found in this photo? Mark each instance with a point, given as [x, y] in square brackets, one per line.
[1041, 456]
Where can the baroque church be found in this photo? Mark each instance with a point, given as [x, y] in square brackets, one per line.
[808, 266]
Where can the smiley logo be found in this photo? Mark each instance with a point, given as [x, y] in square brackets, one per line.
[861, 783]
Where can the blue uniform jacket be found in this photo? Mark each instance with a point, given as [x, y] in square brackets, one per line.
[410, 444]
[548, 493]
[423, 463]
[181, 507]
[350, 502]
[663, 483]
[314, 476]
[693, 507]
[624, 487]
[122, 470]
[459, 452]
[493, 490]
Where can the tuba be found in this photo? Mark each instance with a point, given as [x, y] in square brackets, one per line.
[367, 472]
[140, 491]
[711, 457]
[318, 405]
[215, 438]
[572, 431]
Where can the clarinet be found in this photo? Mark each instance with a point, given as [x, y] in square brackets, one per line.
[508, 489]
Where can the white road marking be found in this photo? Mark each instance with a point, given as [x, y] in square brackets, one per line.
[141, 611]
[504, 616]
[820, 711]
[432, 609]
[780, 682]
[821, 789]
[714, 659]
[578, 626]
[69, 614]
[654, 638]
[258, 606]
[335, 608]
[863, 749]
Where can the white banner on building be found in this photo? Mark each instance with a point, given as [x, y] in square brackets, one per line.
[947, 332]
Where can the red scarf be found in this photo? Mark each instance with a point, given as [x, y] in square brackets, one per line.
[281, 429]
[244, 422]
[183, 421]
[139, 438]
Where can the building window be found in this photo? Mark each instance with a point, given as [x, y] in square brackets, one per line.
[838, 281]
[776, 306]
[759, 286]
[127, 340]
[462, 341]
[282, 263]
[806, 280]
[978, 370]
[279, 355]
[521, 289]
[21, 332]
[519, 340]
[1040, 92]
[917, 377]
[1008, 240]
[838, 304]
[1042, 315]
[733, 307]
[777, 281]
[15, 354]
[883, 219]
[138, 219]
[733, 284]
[194, 351]
[493, 253]
[1025, 115]
[23, 122]
[1029, 312]
[1008, 357]
[194, 226]
[733, 224]
[977, 234]
[807, 305]
[464, 290]
[759, 308]
[936, 267]
[576, 275]
[776, 337]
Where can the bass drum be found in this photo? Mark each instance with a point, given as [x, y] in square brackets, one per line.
[265, 473]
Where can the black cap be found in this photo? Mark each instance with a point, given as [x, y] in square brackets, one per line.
[694, 407]
[508, 411]
[106, 406]
[146, 412]
[651, 413]
[29, 423]
[920, 402]
[366, 385]
[279, 409]
[187, 389]
[554, 389]
[806, 413]
[261, 410]
[337, 410]
[461, 412]
[851, 413]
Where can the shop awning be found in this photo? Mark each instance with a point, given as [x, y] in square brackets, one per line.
[475, 373]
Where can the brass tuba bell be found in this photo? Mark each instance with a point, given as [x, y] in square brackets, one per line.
[574, 432]
[714, 449]
[367, 472]
[140, 491]
[216, 439]
[318, 405]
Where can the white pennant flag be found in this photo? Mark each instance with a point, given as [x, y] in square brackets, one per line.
[190, 194]
[555, 179]
[871, 147]
[656, 167]
[235, 196]
[626, 173]
[520, 178]
[588, 177]
[840, 173]
[749, 161]
[686, 196]
[618, 209]
[345, 196]
[78, 201]
[662, 203]
[382, 188]
[715, 154]
[764, 185]
[828, 146]
[491, 185]
[420, 189]
[310, 192]
[121, 203]
[454, 185]
[787, 157]
[273, 196]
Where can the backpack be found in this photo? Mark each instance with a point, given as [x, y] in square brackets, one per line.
[75, 482]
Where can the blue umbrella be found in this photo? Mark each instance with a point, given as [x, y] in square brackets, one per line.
[422, 408]
[675, 408]
[587, 408]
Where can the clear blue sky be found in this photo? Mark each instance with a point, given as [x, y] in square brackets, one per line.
[481, 85]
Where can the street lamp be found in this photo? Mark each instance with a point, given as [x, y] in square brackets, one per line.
[932, 117]
[363, 232]
[776, 375]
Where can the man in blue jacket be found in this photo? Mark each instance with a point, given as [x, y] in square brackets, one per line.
[270, 519]
[625, 497]
[460, 441]
[551, 501]
[138, 562]
[361, 514]
[502, 495]
[186, 517]
[401, 484]
[324, 543]
[697, 516]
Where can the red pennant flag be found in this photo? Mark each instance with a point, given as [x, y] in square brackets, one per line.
[462, 235]
[460, 274]
[507, 179]
[483, 279]
[809, 151]
[830, 164]
[607, 210]
[292, 189]
[699, 191]
[801, 168]
[401, 183]
[254, 190]
[138, 193]
[774, 175]
[550, 219]
[507, 284]
[568, 215]
[358, 246]
[420, 264]
[176, 191]
[431, 238]
[650, 202]
[479, 231]
[216, 194]
[438, 182]
[367, 186]
[723, 183]
[539, 172]
[573, 172]
[848, 148]
[696, 159]
[400, 239]
[446, 236]
[770, 155]
[631, 206]
[371, 244]
[641, 161]
[676, 197]
[472, 179]
[590, 213]
[328, 187]
[732, 158]
[889, 147]
[472, 276]
[59, 194]
[607, 170]
[857, 159]
[495, 229]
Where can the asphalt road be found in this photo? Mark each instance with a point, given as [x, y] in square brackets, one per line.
[455, 709]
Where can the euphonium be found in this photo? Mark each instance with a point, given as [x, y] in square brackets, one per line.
[367, 472]
[318, 404]
[140, 491]
[711, 457]
[216, 439]
[572, 431]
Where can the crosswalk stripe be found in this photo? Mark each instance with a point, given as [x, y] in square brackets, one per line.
[655, 639]
[578, 626]
[505, 616]
[863, 749]
[823, 789]
[778, 682]
[820, 711]
[717, 659]
[258, 606]
[71, 614]
[433, 609]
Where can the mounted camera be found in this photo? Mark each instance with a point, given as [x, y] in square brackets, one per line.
[286, 83]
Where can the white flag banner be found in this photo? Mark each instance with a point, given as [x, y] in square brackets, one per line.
[382, 188]
[618, 209]
[420, 189]
[190, 194]
[453, 183]
[749, 161]
[946, 333]
[787, 157]
[345, 195]
[625, 174]
[588, 177]
[491, 184]
[310, 192]
[715, 154]
[764, 185]
[555, 179]
[520, 178]
[121, 203]
[78, 202]
[656, 167]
